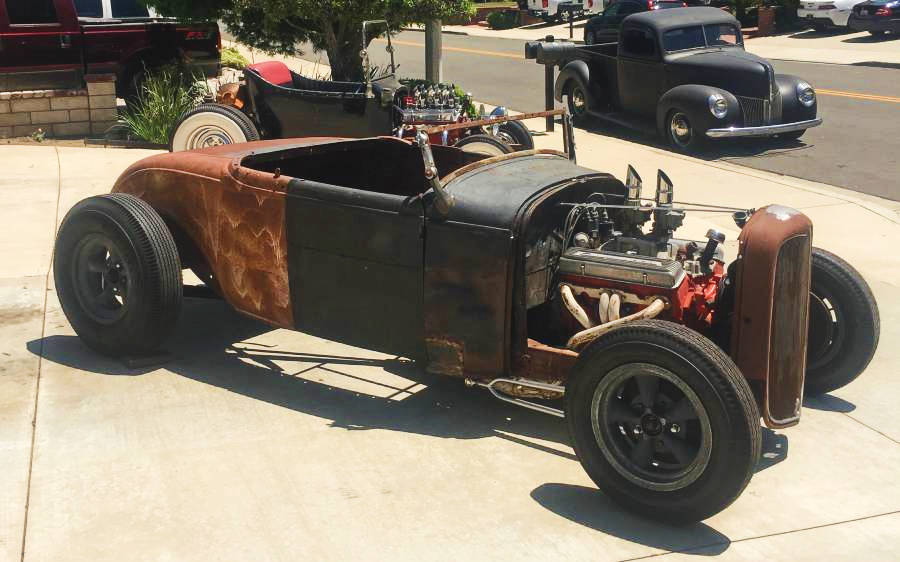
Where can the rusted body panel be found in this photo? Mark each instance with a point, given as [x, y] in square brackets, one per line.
[474, 303]
[235, 216]
[768, 341]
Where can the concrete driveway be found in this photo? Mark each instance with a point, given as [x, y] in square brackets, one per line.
[261, 444]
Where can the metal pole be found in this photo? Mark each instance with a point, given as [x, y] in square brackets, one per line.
[433, 67]
[571, 24]
[548, 90]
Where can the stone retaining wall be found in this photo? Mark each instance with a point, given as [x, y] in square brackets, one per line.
[83, 112]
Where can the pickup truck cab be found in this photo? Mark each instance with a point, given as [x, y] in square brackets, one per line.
[54, 43]
[684, 74]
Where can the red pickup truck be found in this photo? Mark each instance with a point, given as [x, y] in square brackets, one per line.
[53, 43]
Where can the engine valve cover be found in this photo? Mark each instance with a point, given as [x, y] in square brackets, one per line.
[625, 268]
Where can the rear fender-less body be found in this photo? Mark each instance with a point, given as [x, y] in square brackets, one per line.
[234, 216]
[769, 332]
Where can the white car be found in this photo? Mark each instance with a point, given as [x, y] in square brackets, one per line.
[825, 14]
[557, 10]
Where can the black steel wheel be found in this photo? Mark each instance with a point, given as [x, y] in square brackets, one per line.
[117, 274]
[844, 325]
[681, 133]
[484, 144]
[577, 101]
[663, 421]
[516, 135]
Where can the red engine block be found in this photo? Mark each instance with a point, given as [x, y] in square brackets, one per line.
[690, 303]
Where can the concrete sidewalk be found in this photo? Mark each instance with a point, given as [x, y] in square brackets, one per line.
[266, 444]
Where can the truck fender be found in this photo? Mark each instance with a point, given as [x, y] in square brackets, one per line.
[693, 99]
[575, 70]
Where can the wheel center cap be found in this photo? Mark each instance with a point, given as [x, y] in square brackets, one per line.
[651, 424]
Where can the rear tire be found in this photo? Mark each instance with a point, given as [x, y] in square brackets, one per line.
[844, 325]
[210, 125]
[118, 275]
[663, 421]
[484, 144]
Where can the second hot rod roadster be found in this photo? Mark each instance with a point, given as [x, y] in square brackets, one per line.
[274, 102]
[524, 273]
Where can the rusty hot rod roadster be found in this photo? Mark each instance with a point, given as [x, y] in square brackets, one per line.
[523, 273]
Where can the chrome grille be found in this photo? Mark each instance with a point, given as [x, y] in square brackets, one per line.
[756, 111]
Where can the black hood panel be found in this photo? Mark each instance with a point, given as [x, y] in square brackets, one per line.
[734, 70]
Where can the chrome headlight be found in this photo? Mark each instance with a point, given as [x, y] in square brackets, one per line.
[718, 106]
[806, 94]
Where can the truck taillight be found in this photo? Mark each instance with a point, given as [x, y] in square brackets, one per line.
[545, 3]
[590, 3]
[197, 35]
[885, 11]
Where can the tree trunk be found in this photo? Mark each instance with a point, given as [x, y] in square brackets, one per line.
[342, 47]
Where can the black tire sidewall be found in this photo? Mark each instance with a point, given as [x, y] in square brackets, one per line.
[520, 133]
[733, 451]
[147, 322]
[836, 279]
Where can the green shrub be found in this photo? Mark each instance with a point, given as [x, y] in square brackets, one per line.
[503, 20]
[165, 94]
[232, 58]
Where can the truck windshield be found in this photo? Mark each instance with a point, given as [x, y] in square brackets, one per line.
[700, 36]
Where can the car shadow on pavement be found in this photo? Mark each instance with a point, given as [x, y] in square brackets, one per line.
[829, 403]
[883, 38]
[722, 150]
[216, 346]
[591, 508]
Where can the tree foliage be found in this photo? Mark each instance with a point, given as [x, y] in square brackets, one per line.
[333, 26]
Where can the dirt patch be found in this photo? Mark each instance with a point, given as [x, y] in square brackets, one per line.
[12, 316]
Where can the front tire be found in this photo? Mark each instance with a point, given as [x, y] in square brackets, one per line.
[681, 133]
[663, 421]
[516, 135]
[210, 125]
[576, 101]
[844, 325]
[118, 275]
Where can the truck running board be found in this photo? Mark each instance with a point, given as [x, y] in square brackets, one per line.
[491, 386]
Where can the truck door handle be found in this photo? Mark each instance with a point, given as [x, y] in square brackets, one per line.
[65, 41]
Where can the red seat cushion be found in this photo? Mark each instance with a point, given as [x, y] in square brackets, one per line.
[275, 72]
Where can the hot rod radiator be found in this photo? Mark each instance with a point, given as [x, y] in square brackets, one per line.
[771, 307]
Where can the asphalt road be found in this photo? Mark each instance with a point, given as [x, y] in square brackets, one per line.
[857, 147]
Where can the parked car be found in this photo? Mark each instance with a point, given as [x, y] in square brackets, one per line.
[876, 16]
[46, 45]
[825, 14]
[605, 27]
[523, 273]
[275, 102]
[683, 74]
[556, 10]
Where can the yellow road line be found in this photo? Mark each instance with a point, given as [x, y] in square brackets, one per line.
[855, 95]
[824, 92]
[460, 49]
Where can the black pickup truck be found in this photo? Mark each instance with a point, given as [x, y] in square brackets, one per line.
[683, 74]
